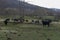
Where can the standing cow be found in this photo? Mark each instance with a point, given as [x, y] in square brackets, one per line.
[20, 20]
[6, 21]
[46, 22]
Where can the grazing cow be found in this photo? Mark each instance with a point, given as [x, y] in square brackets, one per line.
[21, 20]
[46, 22]
[15, 20]
[6, 21]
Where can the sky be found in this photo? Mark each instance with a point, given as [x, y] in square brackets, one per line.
[45, 3]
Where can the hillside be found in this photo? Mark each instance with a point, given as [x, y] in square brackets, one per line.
[15, 7]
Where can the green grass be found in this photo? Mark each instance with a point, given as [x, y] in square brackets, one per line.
[30, 32]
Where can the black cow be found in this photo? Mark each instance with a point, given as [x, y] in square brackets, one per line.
[6, 21]
[46, 22]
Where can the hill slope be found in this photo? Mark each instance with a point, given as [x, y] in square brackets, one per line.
[15, 7]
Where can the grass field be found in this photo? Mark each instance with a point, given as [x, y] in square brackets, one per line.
[29, 32]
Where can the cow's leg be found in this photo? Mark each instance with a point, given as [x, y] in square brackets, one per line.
[5, 22]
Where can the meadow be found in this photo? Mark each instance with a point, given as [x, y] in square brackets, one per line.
[22, 31]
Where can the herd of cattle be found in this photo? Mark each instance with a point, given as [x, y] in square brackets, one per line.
[21, 20]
